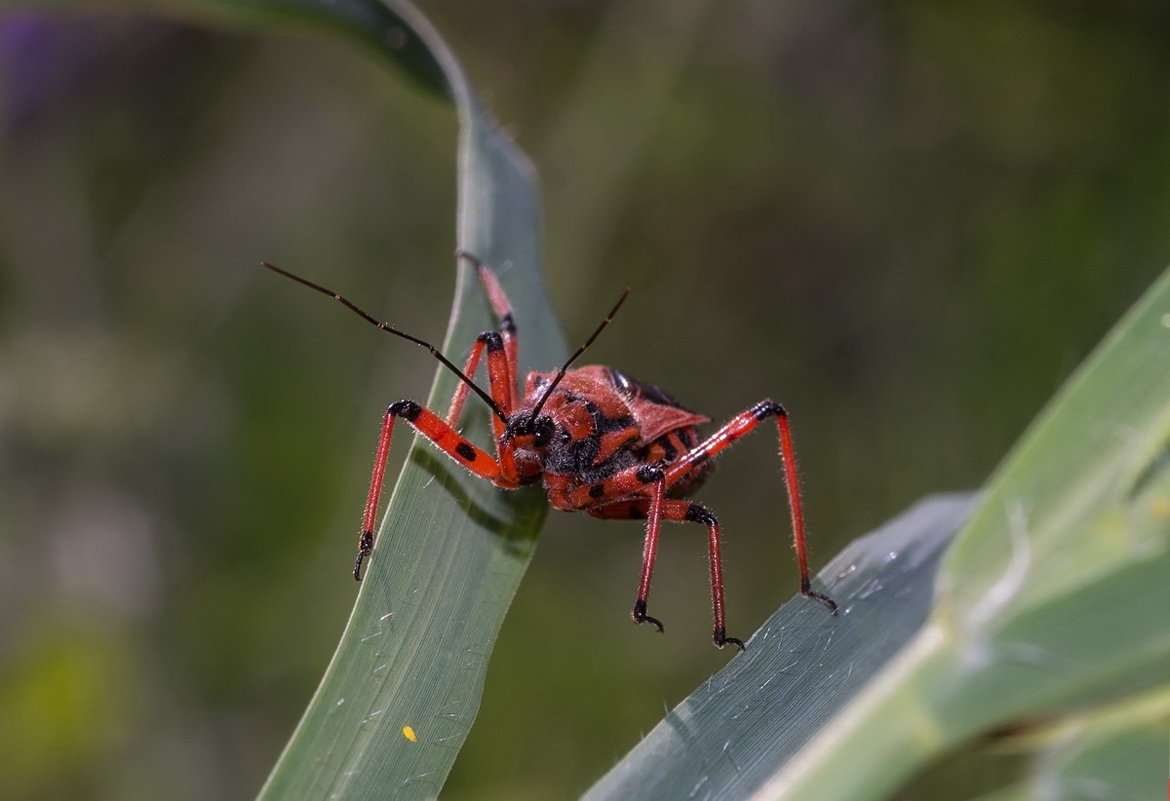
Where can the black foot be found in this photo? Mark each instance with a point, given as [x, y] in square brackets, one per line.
[807, 591]
[471, 257]
[721, 639]
[829, 603]
[365, 548]
[639, 615]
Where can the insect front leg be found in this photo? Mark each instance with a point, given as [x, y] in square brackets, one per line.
[366, 536]
[501, 357]
[738, 426]
[474, 459]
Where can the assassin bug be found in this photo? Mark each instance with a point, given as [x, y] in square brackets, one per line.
[601, 442]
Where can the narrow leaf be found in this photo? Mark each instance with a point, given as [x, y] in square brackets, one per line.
[1118, 752]
[1051, 598]
[800, 668]
[1053, 595]
[404, 686]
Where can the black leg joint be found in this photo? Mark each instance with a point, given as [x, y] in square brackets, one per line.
[649, 473]
[508, 324]
[406, 409]
[768, 408]
[365, 548]
[492, 339]
[701, 514]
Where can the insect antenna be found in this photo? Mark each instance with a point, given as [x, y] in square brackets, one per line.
[392, 330]
[576, 355]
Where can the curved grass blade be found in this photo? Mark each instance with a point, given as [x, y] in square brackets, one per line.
[404, 685]
[1051, 598]
[800, 668]
[1116, 752]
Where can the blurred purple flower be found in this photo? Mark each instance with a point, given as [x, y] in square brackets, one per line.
[41, 57]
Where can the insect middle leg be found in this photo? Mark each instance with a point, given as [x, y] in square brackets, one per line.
[655, 509]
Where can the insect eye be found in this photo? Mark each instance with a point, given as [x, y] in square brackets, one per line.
[543, 432]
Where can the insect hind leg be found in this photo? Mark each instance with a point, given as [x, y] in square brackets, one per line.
[742, 424]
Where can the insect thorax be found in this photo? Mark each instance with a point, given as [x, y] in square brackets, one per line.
[599, 417]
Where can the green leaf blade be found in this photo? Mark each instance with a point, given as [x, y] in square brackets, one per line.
[1118, 751]
[1072, 544]
[1045, 603]
[799, 670]
[404, 686]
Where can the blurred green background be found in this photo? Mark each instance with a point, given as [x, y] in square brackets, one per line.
[908, 221]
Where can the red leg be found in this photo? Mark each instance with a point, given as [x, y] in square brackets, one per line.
[649, 552]
[501, 361]
[655, 509]
[501, 366]
[501, 357]
[366, 537]
[500, 472]
[460, 396]
[701, 514]
[499, 387]
[503, 311]
[737, 427]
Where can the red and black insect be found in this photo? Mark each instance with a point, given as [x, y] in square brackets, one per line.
[601, 442]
